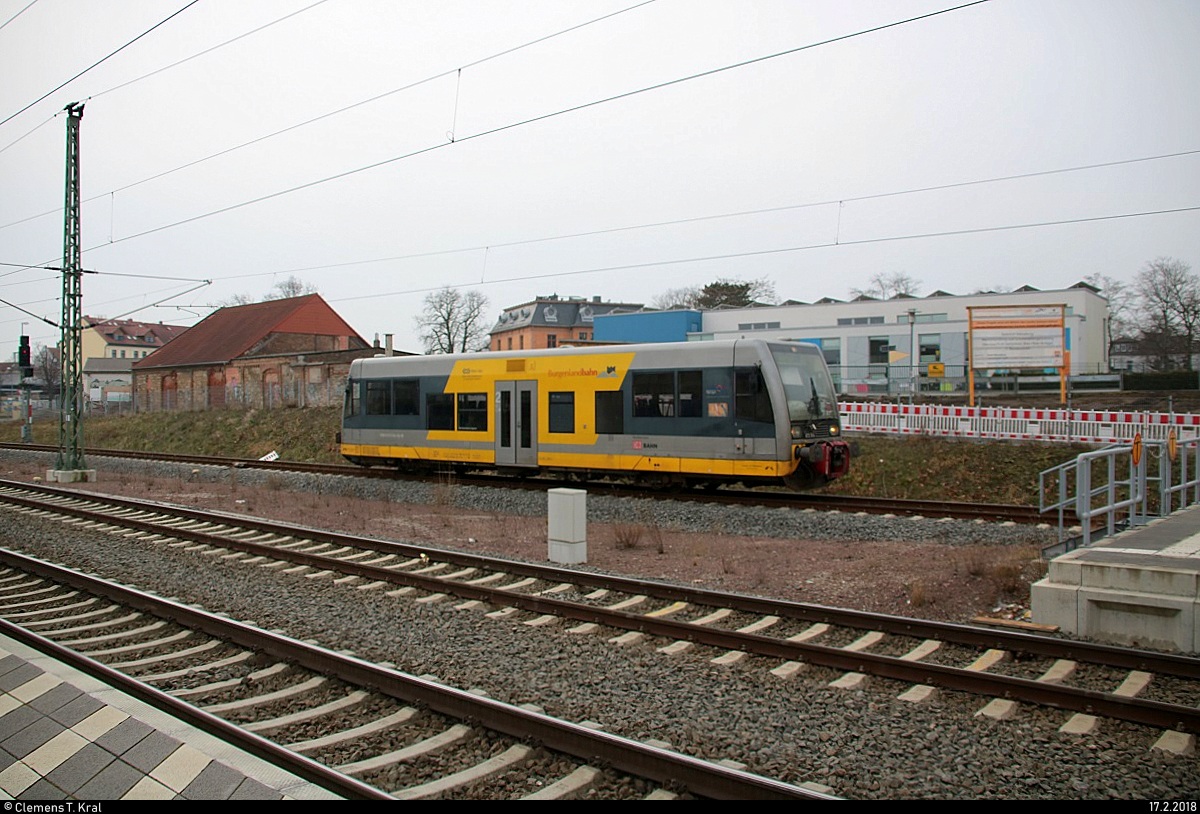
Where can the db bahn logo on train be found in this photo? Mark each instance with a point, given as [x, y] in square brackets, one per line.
[1136, 452]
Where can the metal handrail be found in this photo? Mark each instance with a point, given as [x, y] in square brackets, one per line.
[1109, 489]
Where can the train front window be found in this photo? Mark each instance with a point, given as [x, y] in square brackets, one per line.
[810, 393]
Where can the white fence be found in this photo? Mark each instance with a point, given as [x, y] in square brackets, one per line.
[1017, 423]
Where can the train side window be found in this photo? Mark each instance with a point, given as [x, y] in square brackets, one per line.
[753, 403]
[406, 397]
[352, 399]
[691, 393]
[379, 401]
[654, 395]
[610, 412]
[439, 411]
[473, 411]
[562, 412]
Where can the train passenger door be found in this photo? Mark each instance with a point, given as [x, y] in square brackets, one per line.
[516, 423]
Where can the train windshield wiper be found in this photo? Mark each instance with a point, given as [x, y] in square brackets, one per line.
[814, 404]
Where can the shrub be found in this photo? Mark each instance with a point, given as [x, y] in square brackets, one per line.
[628, 535]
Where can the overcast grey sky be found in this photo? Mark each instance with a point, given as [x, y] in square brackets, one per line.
[608, 156]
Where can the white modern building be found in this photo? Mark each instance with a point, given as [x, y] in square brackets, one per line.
[888, 346]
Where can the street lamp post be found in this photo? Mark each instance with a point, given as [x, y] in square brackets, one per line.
[912, 355]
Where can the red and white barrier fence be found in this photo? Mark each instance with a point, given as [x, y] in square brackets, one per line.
[1017, 423]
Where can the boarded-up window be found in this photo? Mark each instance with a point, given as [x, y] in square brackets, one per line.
[216, 388]
[169, 389]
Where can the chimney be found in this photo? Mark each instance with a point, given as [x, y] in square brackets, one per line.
[387, 341]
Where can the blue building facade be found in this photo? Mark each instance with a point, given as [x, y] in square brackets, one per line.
[647, 326]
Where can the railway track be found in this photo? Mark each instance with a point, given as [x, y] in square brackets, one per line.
[360, 729]
[1001, 667]
[997, 512]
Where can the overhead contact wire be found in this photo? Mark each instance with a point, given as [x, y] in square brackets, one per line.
[99, 62]
[551, 115]
[338, 111]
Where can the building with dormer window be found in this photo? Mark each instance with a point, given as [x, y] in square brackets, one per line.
[550, 322]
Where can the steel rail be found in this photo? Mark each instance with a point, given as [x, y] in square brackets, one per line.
[273, 753]
[1019, 641]
[661, 765]
[1136, 710]
[727, 496]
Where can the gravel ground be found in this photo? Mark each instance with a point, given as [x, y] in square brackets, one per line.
[863, 744]
[930, 568]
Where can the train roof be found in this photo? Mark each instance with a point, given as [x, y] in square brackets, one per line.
[653, 348]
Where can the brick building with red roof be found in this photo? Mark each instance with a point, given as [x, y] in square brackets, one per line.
[293, 352]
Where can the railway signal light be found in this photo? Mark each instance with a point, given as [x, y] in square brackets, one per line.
[24, 361]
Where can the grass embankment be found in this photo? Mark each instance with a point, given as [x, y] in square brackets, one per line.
[297, 435]
[915, 468]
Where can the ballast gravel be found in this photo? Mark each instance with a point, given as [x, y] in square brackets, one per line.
[863, 743]
[679, 515]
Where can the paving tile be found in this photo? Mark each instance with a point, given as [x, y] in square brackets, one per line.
[150, 751]
[31, 737]
[16, 720]
[9, 662]
[16, 778]
[54, 752]
[112, 783]
[251, 789]
[180, 768]
[124, 736]
[23, 673]
[7, 704]
[77, 710]
[43, 790]
[215, 782]
[35, 687]
[149, 789]
[101, 722]
[80, 768]
[55, 699]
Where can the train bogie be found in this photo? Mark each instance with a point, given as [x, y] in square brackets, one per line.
[687, 413]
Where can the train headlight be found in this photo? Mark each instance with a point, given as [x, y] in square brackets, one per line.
[833, 430]
[797, 432]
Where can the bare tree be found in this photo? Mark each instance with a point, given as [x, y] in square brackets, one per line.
[887, 284]
[234, 300]
[1169, 296]
[672, 298]
[293, 286]
[47, 366]
[1121, 303]
[453, 322]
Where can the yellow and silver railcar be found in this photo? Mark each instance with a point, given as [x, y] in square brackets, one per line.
[689, 413]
